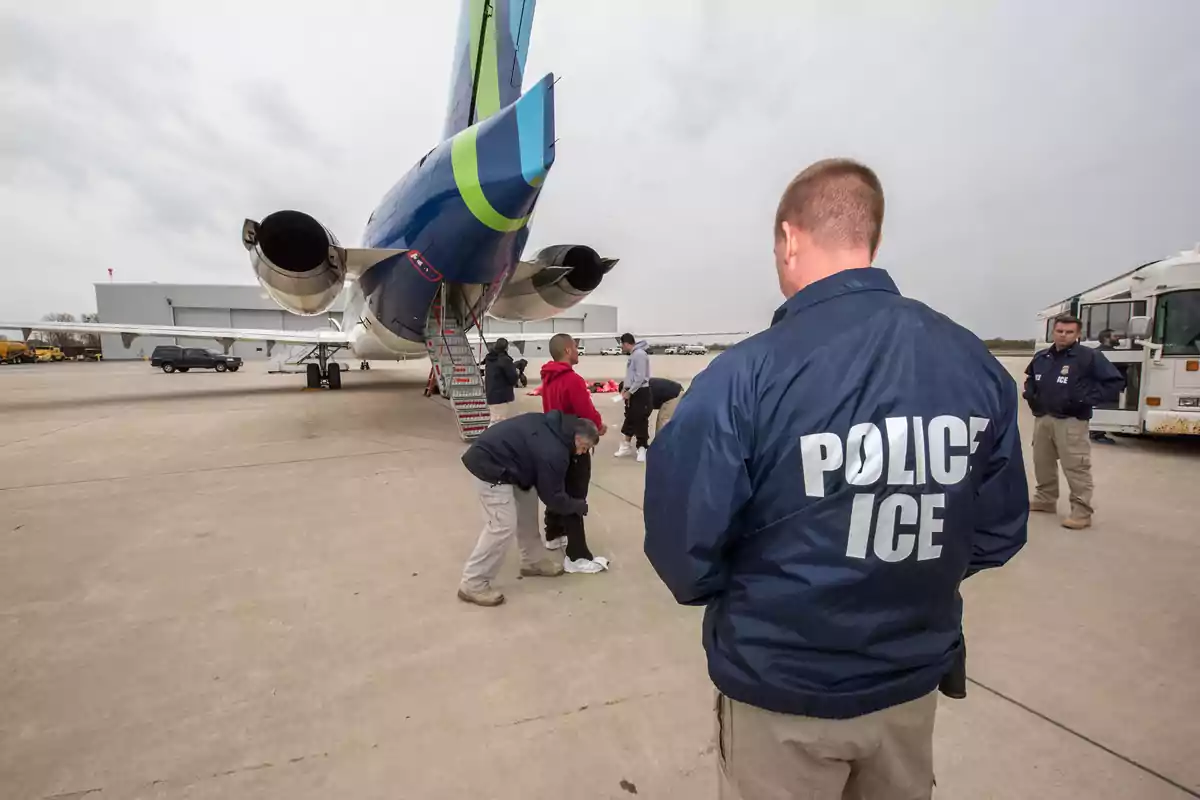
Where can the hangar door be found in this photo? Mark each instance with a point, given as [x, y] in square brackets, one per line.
[262, 319]
[204, 318]
[568, 325]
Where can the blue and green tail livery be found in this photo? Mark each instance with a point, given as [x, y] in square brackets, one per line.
[489, 59]
[466, 205]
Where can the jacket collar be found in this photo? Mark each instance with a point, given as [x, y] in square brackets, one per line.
[1055, 351]
[869, 279]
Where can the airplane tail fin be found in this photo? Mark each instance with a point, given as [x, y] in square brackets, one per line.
[489, 59]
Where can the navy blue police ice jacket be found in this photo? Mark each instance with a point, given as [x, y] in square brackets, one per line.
[825, 486]
[1070, 382]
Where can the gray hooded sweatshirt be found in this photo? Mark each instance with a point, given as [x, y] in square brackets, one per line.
[637, 372]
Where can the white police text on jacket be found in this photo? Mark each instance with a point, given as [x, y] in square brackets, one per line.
[939, 450]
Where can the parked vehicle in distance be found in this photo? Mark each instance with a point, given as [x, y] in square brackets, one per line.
[49, 353]
[172, 358]
[15, 353]
[670, 351]
[91, 354]
[693, 350]
[610, 351]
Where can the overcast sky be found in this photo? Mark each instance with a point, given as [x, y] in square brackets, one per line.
[1028, 149]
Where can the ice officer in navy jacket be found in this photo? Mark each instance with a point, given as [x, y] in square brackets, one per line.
[823, 489]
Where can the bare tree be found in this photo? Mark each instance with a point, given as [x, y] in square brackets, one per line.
[57, 338]
[90, 339]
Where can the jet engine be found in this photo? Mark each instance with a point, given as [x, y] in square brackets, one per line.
[556, 279]
[297, 260]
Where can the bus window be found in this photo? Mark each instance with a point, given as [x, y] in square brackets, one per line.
[1177, 323]
[1109, 316]
[1118, 318]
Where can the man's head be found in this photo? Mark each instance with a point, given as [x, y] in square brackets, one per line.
[829, 219]
[587, 435]
[500, 345]
[563, 348]
[627, 343]
[1066, 331]
[1108, 338]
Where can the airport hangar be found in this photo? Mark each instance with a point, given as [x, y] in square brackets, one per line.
[247, 306]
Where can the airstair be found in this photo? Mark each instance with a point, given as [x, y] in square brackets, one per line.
[455, 369]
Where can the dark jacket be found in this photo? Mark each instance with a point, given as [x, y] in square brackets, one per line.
[1069, 383]
[825, 486]
[528, 451]
[662, 390]
[565, 390]
[500, 377]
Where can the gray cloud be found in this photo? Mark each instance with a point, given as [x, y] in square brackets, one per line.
[1027, 150]
[282, 121]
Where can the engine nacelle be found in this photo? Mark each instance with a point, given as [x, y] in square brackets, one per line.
[297, 260]
[558, 278]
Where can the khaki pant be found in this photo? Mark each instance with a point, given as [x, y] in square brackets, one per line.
[499, 412]
[507, 510]
[887, 755]
[1066, 442]
[665, 412]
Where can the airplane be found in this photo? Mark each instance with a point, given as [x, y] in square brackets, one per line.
[444, 245]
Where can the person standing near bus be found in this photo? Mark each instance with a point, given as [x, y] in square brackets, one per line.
[1063, 384]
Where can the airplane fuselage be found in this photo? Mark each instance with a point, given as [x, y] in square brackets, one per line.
[464, 208]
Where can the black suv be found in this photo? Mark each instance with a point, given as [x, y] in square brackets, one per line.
[172, 358]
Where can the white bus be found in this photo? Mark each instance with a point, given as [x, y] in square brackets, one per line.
[1155, 312]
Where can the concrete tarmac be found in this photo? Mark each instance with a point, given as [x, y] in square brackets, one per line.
[217, 586]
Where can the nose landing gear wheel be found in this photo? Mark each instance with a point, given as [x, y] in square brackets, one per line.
[366, 365]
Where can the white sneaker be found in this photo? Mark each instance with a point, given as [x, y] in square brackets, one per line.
[641, 455]
[626, 449]
[581, 566]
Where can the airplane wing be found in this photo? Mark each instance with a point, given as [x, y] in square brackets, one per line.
[516, 336]
[226, 336]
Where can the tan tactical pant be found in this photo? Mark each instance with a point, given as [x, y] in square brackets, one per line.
[665, 412]
[508, 513]
[500, 412]
[1066, 442]
[887, 755]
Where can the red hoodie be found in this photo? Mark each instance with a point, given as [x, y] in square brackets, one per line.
[565, 390]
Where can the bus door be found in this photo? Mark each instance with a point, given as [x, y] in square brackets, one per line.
[1124, 415]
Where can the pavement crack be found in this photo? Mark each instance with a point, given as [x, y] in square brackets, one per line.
[562, 714]
[72, 795]
[252, 768]
[620, 497]
[1062, 726]
[43, 435]
[185, 782]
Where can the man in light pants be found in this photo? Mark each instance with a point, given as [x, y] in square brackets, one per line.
[823, 488]
[514, 462]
